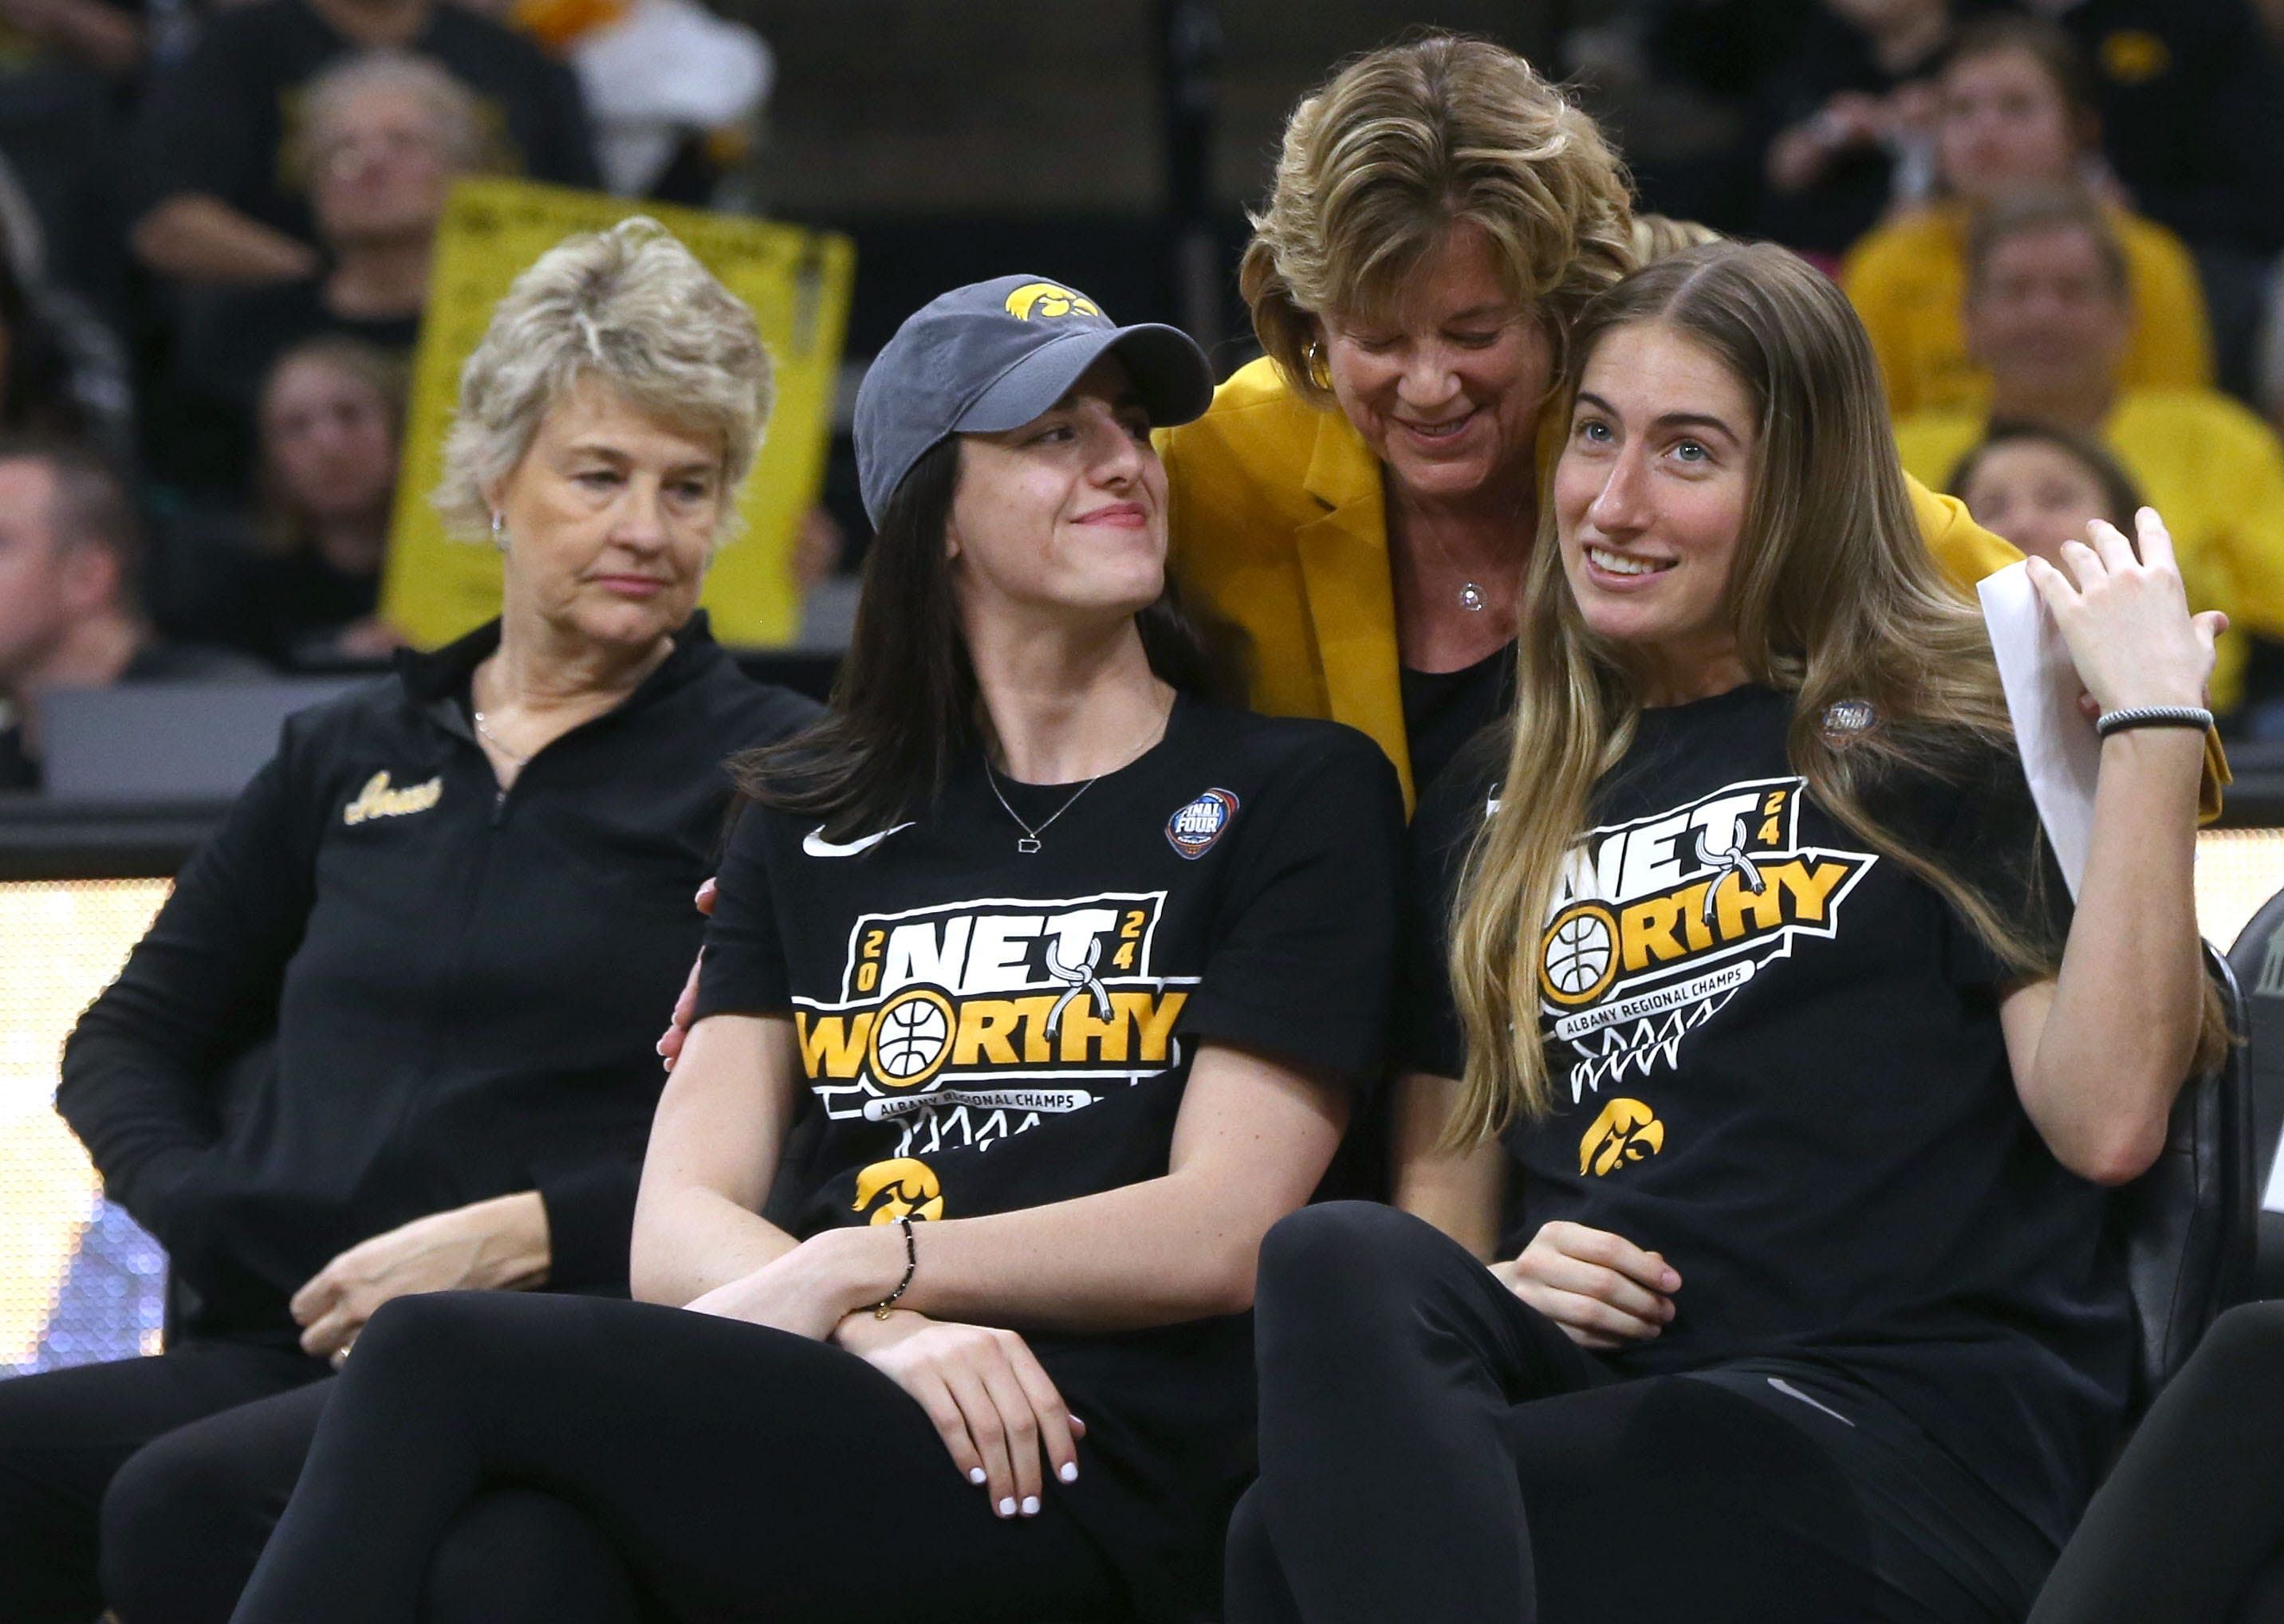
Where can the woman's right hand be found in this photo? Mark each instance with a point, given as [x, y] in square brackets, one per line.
[1605, 1291]
[685, 1006]
[991, 1400]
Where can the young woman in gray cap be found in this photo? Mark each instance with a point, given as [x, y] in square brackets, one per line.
[1057, 978]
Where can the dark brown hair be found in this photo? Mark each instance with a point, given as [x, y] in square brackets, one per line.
[905, 706]
[2048, 44]
[2119, 493]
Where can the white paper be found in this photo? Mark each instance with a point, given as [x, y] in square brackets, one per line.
[2062, 753]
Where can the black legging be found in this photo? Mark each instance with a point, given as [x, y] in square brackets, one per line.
[165, 1474]
[1432, 1449]
[717, 1468]
[2190, 1525]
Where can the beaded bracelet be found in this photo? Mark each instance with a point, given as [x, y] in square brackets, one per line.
[2153, 717]
[912, 1264]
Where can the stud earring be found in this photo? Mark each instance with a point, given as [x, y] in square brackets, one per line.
[499, 530]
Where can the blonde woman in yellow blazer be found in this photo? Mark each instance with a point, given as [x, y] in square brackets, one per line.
[1360, 500]
[1359, 505]
[1279, 518]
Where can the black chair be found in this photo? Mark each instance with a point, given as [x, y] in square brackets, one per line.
[2258, 959]
[2186, 1225]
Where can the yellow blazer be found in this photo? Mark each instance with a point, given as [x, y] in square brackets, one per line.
[1279, 532]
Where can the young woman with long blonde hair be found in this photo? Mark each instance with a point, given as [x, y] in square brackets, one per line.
[1762, 1060]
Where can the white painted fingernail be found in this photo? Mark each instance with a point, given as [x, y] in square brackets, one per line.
[1030, 1506]
[975, 1476]
[1067, 1472]
[1008, 1506]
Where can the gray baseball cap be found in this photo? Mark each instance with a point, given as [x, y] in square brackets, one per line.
[995, 355]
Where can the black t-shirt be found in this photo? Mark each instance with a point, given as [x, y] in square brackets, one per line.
[221, 121]
[985, 1030]
[1444, 710]
[1775, 1058]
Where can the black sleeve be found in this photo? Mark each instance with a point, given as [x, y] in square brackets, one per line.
[1993, 842]
[1427, 1027]
[139, 1070]
[198, 131]
[744, 971]
[1302, 962]
[590, 1222]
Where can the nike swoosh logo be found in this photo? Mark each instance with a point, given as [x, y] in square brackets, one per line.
[816, 845]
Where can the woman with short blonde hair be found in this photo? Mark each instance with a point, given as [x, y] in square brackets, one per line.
[1764, 1083]
[454, 117]
[1360, 502]
[455, 901]
[630, 308]
[1398, 148]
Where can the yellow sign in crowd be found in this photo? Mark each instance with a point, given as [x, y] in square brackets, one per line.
[797, 283]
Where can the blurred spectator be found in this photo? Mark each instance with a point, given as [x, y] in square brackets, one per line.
[62, 371]
[69, 615]
[216, 139]
[301, 591]
[2015, 111]
[1848, 118]
[2191, 105]
[673, 91]
[2048, 313]
[386, 133]
[2039, 484]
[97, 35]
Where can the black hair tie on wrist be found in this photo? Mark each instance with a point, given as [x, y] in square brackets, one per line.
[912, 1265]
[2153, 717]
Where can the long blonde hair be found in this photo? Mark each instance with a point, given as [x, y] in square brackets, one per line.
[1402, 144]
[1833, 595]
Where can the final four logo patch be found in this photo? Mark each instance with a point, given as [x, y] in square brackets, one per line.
[1194, 830]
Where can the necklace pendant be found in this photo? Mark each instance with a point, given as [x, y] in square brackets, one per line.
[1471, 598]
[1026, 843]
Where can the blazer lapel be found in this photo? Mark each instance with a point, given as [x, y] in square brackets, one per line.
[1351, 597]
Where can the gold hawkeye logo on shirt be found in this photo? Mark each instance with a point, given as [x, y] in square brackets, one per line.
[377, 799]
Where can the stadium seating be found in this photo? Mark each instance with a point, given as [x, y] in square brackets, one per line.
[2258, 959]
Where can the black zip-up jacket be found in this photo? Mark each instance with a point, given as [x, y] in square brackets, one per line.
[465, 984]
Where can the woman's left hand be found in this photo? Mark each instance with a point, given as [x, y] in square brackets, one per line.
[488, 1245]
[2126, 620]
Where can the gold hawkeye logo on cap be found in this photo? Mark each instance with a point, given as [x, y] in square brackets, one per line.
[1044, 299]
